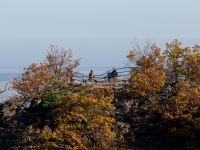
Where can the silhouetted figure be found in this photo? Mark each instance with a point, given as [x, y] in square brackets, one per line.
[91, 75]
[113, 74]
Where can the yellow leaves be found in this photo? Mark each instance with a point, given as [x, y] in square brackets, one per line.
[183, 62]
[182, 94]
[84, 115]
[157, 52]
[45, 74]
[150, 77]
[142, 93]
[181, 109]
[131, 56]
[182, 117]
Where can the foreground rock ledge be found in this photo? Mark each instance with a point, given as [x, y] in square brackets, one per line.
[134, 125]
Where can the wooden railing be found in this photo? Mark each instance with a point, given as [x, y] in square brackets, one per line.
[122, 72]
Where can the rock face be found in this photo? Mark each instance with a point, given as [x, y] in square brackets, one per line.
[16, 127]
[135, 126]
[140, 128]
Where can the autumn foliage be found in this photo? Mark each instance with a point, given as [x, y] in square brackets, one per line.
[149, 76]
[54, 72]
[83, 121]
[155, 72]
[81, 118]
[182, 63]
[182, 116]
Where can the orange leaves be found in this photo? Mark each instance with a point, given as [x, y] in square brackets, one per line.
[182, 63]
[36, 77]
[131, 56]
[150, 77]
[84, 117]
[182, 116]
[181, 105]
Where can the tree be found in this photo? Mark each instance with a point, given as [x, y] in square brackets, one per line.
[83, 121]
[149, 76]
[182, 63]
[182, 116]
[174, 54]
[191, 64]
[51, 75]
[181, 112]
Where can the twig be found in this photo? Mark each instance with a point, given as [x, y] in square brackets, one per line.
[4, 89]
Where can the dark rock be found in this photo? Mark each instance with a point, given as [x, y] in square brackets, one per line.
[13, 148]
[35, 104]
[24, 147]
[19, 127]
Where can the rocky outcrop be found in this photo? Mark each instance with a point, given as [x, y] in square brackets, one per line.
[136, 126]
[140, 127]
[18, 127]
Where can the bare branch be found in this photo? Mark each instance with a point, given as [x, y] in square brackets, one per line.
[4, 89]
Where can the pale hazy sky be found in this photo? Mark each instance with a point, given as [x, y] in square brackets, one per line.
[99, 31]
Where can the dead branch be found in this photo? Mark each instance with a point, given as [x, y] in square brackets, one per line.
[4, 89]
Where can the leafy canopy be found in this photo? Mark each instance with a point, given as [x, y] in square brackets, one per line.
[50, 76]
[83, 121]
[149, 76]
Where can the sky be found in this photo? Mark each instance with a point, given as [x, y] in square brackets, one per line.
[100, 32]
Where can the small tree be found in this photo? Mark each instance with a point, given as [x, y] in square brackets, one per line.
[181, 112]
[150, 76]
[191, 64]
[181, 63]
[50, 76]
[83, 121]
[182, 116]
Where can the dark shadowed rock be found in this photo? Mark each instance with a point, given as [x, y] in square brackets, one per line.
[138, 128]
[35, 104]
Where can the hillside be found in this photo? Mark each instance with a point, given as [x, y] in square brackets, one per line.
[136, 126]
